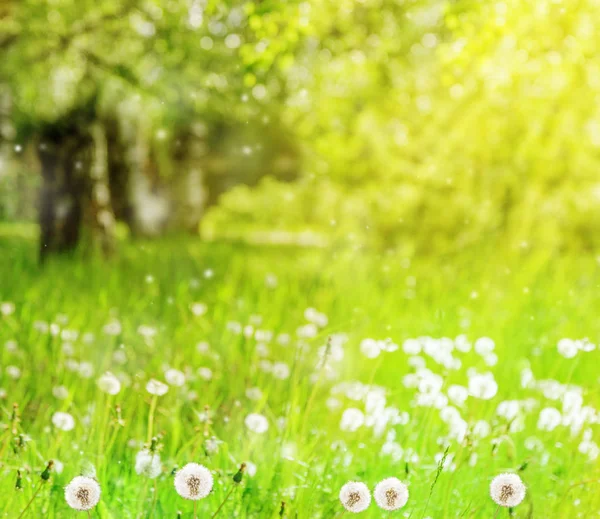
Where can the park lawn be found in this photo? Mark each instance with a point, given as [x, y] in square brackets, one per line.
[170, 295]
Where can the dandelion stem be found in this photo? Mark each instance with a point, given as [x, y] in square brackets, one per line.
[103, 428]
[31, 500]
[4, 445]
[151, 417]
[315, 388]
[195, 509]
[223, 503]
[154, 498]
[144, 495]
[440, 467]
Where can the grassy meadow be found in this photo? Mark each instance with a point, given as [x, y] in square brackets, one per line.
[309, 245]
[248, 328]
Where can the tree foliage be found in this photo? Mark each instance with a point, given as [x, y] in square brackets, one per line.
[421, 124]
[432, 125]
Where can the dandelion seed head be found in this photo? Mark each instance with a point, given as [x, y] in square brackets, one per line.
[113, 328]
[507, 490]
[567, 348]
[211, 445]
[60, 392]
[7, 308]
[250, 469]
[352, 419]
[63, 421]
[86, 369]
[281, 370]
[458, 394]
[205, 373]
[82, 493]
[174, 377]
[483, 385]
[549, 419]
[391, 494]
[370, 348]
[193, 481]
[254, 393]
[355, 496]
[13, 372]
[148, 464]
[256, 423]
[198, 309]
[484, 346]
[156, 387]
[109, 383]
[203, 347]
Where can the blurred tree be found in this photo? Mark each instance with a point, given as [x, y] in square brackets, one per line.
[430, 125]
[114, 93]
[422, 124]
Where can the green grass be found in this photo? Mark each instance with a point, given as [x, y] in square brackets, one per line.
[526, 302]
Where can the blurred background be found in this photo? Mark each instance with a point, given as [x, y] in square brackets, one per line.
[421, 126]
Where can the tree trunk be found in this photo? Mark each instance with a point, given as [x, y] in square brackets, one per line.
[187, 190]
[119, 178]
[65, 156]
[75, 198]
[149, 203]
[101, 218]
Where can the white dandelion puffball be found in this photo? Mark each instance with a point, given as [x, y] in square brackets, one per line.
[256, 423]
[507, 490]
[484, 346]
[82, 493]
[174, 377]
[355, 496]
[567, 348]
[483, 385]
[281, 370]
[370, 348]
[156, 387]
[148, 464]
[352, 419]
[63, 421]
[193, 481]
[7, 308]
[550, 418]
[109, 383]
[391, 494]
